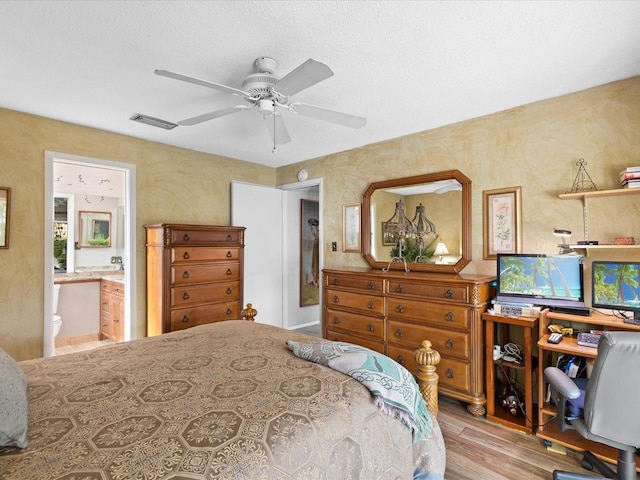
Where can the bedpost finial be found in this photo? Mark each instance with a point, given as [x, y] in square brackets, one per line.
[426, 355]
[249, 313]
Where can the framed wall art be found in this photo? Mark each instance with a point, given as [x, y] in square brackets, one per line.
[309, 253]
[502, 221]
[5, 210]
[351, 228]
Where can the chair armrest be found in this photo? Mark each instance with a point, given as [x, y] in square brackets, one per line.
[561, 383]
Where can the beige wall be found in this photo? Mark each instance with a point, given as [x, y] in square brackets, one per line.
[534, 146]
[173, 185]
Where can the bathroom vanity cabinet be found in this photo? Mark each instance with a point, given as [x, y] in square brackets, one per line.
[194, 275]
[111, 311]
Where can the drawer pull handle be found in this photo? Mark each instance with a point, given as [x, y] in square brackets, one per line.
[370, 305]
[399, 333]
[186, 237]
[449, 344]
[336, 281]
[336, 320]
[370, 286]
[229, 238]
[229, 291]
[115, 320]
[399, 288]
[229, 312]
[229, 272]
[400, 360]
[370, 327]
[449, 373]
[400, 308]
[448, 293]
[185, 296]
[335, 299]
[105, 303]
[449, 317]
[186, 256]
[185, 319]
[185, 274]
[229, 254]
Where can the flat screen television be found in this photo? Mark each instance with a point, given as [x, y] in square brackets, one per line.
[555, 281]
[615, 286]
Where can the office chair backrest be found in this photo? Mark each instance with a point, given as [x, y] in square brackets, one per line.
[612, 398]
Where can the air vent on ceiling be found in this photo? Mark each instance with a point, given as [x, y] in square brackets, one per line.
[155, 122]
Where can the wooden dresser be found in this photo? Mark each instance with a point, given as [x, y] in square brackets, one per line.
[194, 275]
[393, 312]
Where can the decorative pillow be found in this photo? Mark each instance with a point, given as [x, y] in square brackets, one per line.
[13, 403]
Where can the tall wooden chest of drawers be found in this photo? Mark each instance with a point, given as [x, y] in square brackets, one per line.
[394, 312]
[194, 275]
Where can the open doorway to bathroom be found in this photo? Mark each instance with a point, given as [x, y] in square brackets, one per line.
[89, 236]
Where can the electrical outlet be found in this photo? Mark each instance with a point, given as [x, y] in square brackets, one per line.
[119, 260]
[114, 260]
[334, 246]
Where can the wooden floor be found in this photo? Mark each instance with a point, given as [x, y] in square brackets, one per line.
[479, 449]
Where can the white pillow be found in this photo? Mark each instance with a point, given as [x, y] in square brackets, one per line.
[13, 403]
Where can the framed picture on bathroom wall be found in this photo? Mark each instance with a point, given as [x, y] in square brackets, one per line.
[5, 210]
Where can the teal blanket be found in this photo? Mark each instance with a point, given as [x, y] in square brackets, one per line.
[394, 389]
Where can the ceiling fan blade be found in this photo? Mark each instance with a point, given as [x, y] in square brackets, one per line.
[280, 135]
[305, 75]
[331, 116]
[211, 115]
[204, 83]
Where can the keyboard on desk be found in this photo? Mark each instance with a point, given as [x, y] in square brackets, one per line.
[588, 339]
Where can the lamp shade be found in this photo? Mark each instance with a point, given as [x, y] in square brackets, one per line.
[441, 249]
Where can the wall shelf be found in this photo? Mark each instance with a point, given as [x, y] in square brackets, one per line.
[585, 196]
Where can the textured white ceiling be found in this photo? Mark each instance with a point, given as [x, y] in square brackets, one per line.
[405, 66]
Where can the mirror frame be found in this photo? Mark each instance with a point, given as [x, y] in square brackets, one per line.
[465, 226]
[84, 216]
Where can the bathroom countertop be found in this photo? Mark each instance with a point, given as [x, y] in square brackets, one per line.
[89, 276]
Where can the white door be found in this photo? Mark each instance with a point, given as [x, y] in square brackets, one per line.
[259, 209]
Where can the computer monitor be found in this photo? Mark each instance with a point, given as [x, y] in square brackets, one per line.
[540, 279]
[615, 286]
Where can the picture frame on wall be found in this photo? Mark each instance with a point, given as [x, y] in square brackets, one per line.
[388, 238]
[502, 221]
[309, 253]
[5, 211]
[351, 238]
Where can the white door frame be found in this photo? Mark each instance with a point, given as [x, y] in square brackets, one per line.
[129, 248]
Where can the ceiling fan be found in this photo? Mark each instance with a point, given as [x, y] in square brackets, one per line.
[267, 93]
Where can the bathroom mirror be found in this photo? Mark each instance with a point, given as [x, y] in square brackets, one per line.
[446, 197]
[95, 229]
[5, 209]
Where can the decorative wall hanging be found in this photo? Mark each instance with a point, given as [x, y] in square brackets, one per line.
[351, 228]
[502, 221]
[309, 253]
[5, 210]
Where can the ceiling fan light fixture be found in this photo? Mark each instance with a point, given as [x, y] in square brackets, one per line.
[154, 122]
[266, 107]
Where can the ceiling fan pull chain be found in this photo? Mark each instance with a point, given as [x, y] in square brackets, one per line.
[274, 129]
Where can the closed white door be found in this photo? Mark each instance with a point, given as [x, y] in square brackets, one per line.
[259, 209]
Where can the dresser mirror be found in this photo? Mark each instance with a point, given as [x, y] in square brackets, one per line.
[446, 198]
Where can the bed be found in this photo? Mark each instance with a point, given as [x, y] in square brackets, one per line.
[228, 400]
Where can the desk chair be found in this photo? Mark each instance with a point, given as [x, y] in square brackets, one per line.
[611, 401]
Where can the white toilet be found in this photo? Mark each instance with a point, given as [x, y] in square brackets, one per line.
[57, 321]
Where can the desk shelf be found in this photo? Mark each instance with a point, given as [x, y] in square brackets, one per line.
[548, 428]
[523, 423]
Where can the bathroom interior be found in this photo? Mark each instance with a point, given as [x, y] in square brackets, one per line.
[88, 250]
